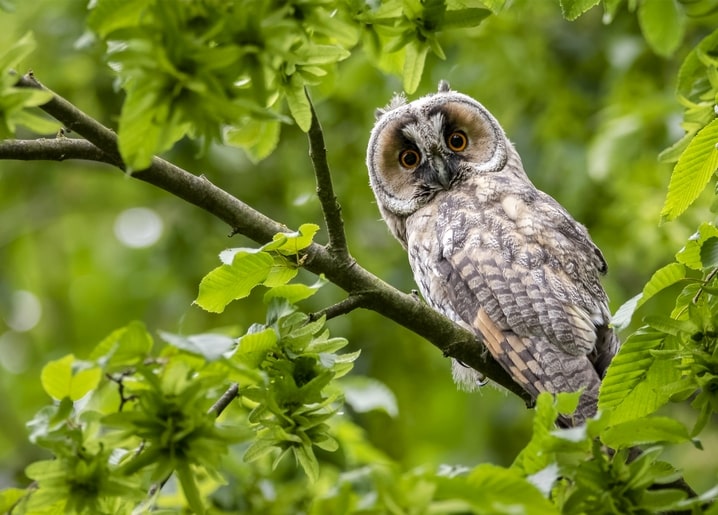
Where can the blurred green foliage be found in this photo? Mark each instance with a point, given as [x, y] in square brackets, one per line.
[589, 106]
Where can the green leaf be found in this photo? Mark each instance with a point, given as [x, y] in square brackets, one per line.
[365, 394]
[126, 346]
[645, 430]
[290, 243]
[60, 378]
[293, 292]
[306, 458]
[106, 16]
[189, 487]
[210, 346]
[572, 9]
[414, 59]
[230, 282]
[662, 24]
[281, 273]
[632, 385]
[253, 347]
[258, 138]
[500, 490]
[709, 252]
[690, 254]
[692, 172]
[9, 497]
[146, 125]
[18, 51]
[693, 68]
[460, 18]
[298, 103]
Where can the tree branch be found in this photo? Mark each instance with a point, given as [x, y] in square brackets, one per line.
[58, 149]
[378, 296]
[325, 190]
[224, 401]
[352, 302]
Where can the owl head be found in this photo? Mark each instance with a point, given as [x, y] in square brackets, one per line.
[421, 148]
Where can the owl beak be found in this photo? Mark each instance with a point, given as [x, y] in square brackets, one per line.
[443, 173]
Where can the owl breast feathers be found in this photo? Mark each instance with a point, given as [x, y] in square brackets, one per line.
[489, 250]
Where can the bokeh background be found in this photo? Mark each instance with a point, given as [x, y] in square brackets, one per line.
[84, 249]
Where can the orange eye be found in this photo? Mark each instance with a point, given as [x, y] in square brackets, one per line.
[457, 141]
[409, 158]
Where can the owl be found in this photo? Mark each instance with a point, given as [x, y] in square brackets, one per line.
[489, 250]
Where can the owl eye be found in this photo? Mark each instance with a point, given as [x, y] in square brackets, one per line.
[409, 158]
[457, 141]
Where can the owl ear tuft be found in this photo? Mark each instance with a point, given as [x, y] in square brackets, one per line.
[398, 100]
[444, 86]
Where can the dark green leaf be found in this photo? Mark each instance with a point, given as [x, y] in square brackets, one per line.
[709, 252]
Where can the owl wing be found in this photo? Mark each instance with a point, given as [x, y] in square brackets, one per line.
[531, 291]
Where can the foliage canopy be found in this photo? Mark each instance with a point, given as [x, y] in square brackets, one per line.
[227, 414]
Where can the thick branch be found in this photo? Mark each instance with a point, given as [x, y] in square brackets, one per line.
[325, 191]
[378, 296]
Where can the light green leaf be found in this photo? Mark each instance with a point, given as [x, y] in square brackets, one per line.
[298, 103]
[9, 497]
[258, 138]
[572, 9]
[60, 379]
[290, 243]
[662, 24]
[107, 16]
[306, 458]
[210, 346]
[464, 18]
[125, 346]
[36, 123]
[414, 59]
[281, 273]
[293, 292]
[500, 490]
[643, 431]
[13, 55]
[632, 385]
[692, 172]
[690, 254]
[230, 282]
[365, 394]
[253, 347]
[189, 486]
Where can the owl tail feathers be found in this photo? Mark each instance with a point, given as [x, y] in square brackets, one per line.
[540, 366]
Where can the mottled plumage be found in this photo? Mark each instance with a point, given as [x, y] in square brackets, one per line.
[488, 249]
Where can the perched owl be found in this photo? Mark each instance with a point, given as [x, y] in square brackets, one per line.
[489, 250]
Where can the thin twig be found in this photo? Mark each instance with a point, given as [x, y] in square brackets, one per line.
[331, 208]
[224, 401]
[352, 302]
[74, 119]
